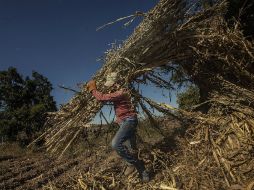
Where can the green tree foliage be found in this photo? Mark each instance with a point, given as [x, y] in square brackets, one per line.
[187, 99]
[23, 103]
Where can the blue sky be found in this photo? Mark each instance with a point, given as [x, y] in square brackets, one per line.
[58, 38]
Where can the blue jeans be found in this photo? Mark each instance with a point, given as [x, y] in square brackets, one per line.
[126, 134]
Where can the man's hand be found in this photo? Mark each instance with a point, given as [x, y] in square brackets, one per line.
[91, 85]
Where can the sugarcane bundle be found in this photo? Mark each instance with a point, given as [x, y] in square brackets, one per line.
[128, 60]
[173, 37]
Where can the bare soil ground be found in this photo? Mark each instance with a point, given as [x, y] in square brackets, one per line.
[34, 171]
[38, 171]
[93, 164]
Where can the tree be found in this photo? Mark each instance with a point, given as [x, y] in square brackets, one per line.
[23, 104]
[187, 99]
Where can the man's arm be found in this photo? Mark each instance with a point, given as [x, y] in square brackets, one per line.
[108, 97]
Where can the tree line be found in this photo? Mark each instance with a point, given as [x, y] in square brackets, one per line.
[23, 104]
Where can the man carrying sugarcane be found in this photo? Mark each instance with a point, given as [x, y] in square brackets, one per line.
[127, 119]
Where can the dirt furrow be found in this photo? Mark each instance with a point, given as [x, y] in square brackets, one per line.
[17, 167]
[23, 168]
[29, 173]
[47, 176]
[13, 174]
[26, 161]
[63, 181]
[7, 157]
[12, 161]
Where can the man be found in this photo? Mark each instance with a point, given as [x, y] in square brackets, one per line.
[126, 118]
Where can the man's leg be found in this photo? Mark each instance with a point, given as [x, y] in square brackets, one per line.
[126, 132]
[132, 144]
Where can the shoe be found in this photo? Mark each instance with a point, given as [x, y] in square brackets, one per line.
[145, 176]
[129, 170]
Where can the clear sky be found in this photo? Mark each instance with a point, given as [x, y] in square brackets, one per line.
[58, 38]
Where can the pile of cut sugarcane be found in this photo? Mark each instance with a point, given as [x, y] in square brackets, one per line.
[174, 36]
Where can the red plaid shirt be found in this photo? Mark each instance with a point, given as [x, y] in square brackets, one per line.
[122, 103]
